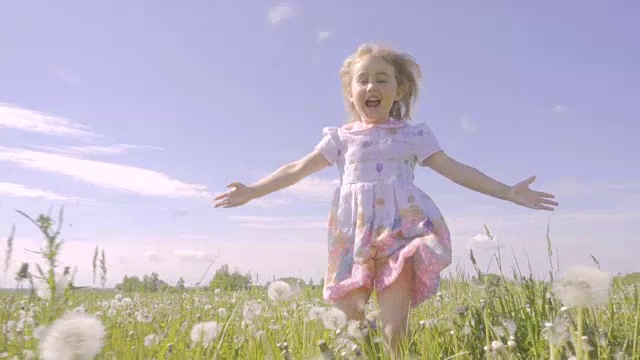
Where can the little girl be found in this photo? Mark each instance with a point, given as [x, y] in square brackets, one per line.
[384, 232]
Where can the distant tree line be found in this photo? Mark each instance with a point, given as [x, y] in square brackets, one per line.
[223, 279]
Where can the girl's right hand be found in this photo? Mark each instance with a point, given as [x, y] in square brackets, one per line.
[240, 195]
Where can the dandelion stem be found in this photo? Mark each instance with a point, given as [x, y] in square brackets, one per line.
[578, 342]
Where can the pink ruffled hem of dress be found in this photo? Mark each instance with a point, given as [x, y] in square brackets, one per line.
[427, 266]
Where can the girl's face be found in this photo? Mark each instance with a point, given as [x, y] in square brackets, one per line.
[373, 89]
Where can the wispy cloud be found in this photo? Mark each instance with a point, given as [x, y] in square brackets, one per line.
[280, 12]
[467, 125]
[96, 150]
[152, 256]
[323, 35]
[194, 256]
[15, 117]
[269, 202]
[571, 188]
[281, 222]
[484, 242]
[104, 174]
[560, 109]
[18, 190]
[66, 75]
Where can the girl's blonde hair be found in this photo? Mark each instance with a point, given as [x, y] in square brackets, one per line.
[408, 74]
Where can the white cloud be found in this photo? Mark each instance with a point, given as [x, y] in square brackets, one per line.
[572, 188]
[285, 250]
[65, 75]
[105, 175]
[269, 202]
[484, 242]
[19, 190]
[287, 223]
[152, 256]
[266, 256]
[560, 109]
[323, 35]
[96, 150]
[15, 117]
[194, 256]
[467, 125]
[280, 12]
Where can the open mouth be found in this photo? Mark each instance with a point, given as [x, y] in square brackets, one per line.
[372, 102]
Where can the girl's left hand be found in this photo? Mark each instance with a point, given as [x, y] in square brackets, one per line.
[521, 194]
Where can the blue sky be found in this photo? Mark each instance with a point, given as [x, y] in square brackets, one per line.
[133, 115]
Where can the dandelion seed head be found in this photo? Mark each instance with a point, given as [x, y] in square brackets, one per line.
[151, 340]
[315, 313]
[76, 336]
[279, 291]
[583, 286]
[205, 332]
[334, 319]
[251, 310]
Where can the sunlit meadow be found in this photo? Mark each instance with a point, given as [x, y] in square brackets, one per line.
[582, 313]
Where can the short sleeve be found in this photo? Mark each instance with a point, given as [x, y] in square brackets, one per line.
[425, 142]
[329, 145]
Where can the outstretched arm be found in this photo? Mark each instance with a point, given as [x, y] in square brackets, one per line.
[474, 179]
[283, 177]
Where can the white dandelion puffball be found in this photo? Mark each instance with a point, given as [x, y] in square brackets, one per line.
[316, 313]
[334, 319]
[76, 336]
[205, 332]
[251, 310]
[279, 291]
[583, 286]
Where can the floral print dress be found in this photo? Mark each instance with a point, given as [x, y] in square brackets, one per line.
[379, 219]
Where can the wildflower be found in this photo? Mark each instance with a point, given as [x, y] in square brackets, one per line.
[279, 291]
[556, 333]
[222, 312]
[39, 332]
[150, 340]
[334, 319]
[316, 312]
[144, 316]
[73, 336]
[354, 329]
[583, 286]
[205, 332]
[251, 310]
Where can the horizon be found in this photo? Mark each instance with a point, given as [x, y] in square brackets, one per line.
[133, 116]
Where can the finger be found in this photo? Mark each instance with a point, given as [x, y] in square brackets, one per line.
[223, 195]
[223, 204]
[546, 195]
[544, 207]
[549, 202]
[235, 185]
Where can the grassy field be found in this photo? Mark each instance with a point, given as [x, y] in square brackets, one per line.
[583, 314]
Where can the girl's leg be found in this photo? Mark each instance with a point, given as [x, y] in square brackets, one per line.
[354, 304]
[394, 303]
